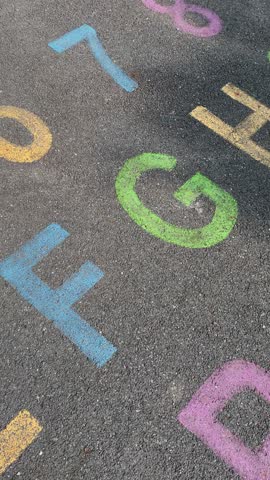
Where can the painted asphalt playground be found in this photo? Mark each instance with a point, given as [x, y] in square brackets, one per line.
[134, 253]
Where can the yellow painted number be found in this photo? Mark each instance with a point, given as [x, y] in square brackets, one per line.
[42, 137]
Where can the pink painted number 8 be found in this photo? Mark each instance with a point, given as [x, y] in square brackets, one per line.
[177, 13]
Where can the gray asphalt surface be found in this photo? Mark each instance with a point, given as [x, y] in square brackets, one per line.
[174, 314]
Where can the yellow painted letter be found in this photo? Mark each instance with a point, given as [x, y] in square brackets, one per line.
[42, 137]
[239, 136]
[16, 437]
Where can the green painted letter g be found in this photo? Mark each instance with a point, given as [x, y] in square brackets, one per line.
[215, 232]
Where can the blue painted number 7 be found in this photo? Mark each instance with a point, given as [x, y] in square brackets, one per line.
[85, 32]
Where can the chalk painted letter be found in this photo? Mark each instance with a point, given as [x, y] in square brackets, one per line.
[56, 304]
[16, 437]
[239, 136]
[42, 138]
[85, 32]
[178, 11]
[215, 232]
[200, 417]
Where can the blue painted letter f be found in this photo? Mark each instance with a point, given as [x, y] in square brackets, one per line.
[56, 304]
